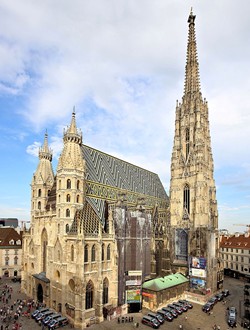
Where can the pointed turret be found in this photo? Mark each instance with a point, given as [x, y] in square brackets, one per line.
[43, 178]
[72, 134]
[44, 151]
[192, 79]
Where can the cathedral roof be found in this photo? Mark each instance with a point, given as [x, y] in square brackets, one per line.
[86, 221]
[107, 176]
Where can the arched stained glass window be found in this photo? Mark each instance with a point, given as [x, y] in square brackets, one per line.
[86, 253]
[89, 295]
[186, 198]
[108, 252]
[105, 293]
[93, 253]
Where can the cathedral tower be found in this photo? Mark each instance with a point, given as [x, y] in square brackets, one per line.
[193, 205]
[42, 180]
[70, 193]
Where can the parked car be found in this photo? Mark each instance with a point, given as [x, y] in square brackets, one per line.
[171, 311]
[150, 321]
[37, 311]
[159, 317]
[57, 323]
[226, 292]
[186, 303]
[207, 308]
[42, 316]
[167, 315]
[219, 296]
[177, 309]
[232, 317]
[184, 308]
[49, 318]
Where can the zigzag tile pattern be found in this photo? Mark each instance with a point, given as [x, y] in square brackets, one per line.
[107, 175]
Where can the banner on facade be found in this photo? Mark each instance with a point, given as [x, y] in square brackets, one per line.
[133, 296]
[197, 272]
[133, 282]
[197, 283]
[134, 273]
[199, 263]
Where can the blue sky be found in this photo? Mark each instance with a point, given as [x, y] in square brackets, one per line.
[121, 64]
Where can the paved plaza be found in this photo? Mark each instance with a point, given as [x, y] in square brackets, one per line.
[192, 320]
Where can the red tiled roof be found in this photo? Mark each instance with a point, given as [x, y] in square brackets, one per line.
[7, 234]
[236, 242]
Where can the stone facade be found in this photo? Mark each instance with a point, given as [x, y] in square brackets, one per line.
[92, 231]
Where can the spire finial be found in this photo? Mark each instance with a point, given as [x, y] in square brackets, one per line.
[192, 79]
[44, 150]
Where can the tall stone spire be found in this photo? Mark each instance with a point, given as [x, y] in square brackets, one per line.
[192, 79]
[193, 205]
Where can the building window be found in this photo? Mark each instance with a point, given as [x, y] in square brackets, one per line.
[242, 251]
[186, 199]
[242, 268]
[89, 295]
[68, 198]
[72, 253]
[105, 295]
[7, 261]
[102, 252]
[15, 260]
[236, 250]
[236, 258]
[222, 249]
[78, 185]
[93, 253]
[68, 213]
[68, 184]
[236, 266]
[108, 252]
[232, 250]
[39, 205]
[86, 253]
[187, 140]
[67, 228]
[77, 198]
[39, 192]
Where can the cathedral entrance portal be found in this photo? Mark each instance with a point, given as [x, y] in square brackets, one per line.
[40, 293]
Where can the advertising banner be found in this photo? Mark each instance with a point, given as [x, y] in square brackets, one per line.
[197, 283]
[134, 273]
[198, 272]
[199, 263]
[133, 282]
[133, 296]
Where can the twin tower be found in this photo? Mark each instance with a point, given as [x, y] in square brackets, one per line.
[100, 226]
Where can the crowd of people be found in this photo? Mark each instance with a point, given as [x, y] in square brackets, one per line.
[12, 311]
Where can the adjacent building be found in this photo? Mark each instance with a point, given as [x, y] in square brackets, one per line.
[235, 253]
[10, 252]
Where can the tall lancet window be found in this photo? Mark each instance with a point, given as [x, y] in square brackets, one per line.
[186, 199]
[187, 140]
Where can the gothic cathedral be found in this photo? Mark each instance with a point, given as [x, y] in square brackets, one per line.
[101, 226]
